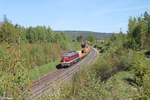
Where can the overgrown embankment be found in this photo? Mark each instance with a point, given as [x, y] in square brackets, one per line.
[23, 50]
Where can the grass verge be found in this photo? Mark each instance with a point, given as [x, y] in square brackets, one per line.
[42, 70]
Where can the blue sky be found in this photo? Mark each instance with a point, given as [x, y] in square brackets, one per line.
[91, 15]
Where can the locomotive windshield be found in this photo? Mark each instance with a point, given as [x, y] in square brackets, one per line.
[70, 53]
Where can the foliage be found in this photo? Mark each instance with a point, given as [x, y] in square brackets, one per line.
[139, 31]
[91, 38]
[22, 51]
[14, 75]
[8, 33]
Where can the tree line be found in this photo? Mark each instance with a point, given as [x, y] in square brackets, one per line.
[14, 33]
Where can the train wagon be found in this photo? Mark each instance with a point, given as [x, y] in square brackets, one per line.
[69, 58]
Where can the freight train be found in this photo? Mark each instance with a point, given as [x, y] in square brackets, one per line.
[72, 57]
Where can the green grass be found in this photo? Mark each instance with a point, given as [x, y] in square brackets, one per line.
[119, 88]
[42, 70]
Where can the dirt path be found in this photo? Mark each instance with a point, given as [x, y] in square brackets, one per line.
[60, 75]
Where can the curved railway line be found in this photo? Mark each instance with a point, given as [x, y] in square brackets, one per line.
[46, 82]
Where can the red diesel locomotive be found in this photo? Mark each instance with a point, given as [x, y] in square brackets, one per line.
[69, 58]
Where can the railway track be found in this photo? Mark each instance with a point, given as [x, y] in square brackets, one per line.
[46, 82]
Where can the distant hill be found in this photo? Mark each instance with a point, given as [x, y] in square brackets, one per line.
[98, 35]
